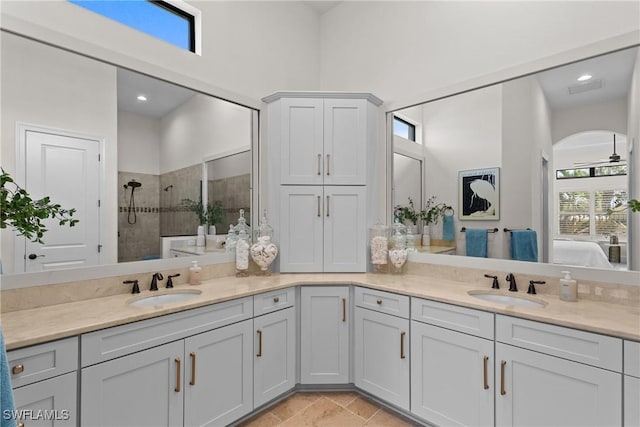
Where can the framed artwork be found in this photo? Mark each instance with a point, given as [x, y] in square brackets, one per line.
[479, 194]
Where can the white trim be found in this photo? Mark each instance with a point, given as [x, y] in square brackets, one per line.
[224, 154]
[320, 94]
[21, 166]
[197, 22]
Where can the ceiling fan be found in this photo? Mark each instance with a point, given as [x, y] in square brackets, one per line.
[614, 159]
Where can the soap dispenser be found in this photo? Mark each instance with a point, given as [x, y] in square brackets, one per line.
[195, 273]
[568, 288]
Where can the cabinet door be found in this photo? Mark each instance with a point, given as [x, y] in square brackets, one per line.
[301, 223]
[449, 368]
[219, 375]
[631, 401]
[50, 402]
[541, 390]
[345, 229]
[275, 352]
[382, 356]
[324, 335]
[142, 389]
[345, 141]
[301, 149]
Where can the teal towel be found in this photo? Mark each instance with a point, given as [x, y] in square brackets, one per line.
[476, 240]
[524, 245]
[6, 393]
[447, 228]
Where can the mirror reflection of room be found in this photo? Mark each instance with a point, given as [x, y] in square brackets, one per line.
[551, 136]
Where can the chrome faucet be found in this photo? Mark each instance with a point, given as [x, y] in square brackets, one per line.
[154, 281]
[512, 282]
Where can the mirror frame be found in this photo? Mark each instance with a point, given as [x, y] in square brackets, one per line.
[625, 41]
[89, 50]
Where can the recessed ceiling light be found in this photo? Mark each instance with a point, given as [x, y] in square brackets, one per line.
[142, 98]
[584, 77]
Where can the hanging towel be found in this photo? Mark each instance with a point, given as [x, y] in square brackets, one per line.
[476, 239]
[524, 245]
[447, 228]
[6, 394]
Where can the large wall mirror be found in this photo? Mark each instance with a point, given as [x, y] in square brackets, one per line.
[125, 149]
[557, 138]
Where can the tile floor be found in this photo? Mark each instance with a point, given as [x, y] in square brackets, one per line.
[326, 409]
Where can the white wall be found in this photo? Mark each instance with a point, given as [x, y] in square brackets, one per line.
[75, 94]
[251, 48]
[138, 143]
[399, 49]
[608, 115]
[202, 127]
[633, 138]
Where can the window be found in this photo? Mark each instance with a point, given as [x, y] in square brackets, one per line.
[172, 21]
[591, 213]
[610, 170]
[404, 129]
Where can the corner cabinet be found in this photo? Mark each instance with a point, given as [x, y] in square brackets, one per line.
[320, 154]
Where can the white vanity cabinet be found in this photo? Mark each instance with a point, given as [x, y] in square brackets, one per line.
[382, 345]
[631, 383]
[44, 380]
[188, 368]
[452, 375]
[324, 334]
[274, 353]
[322, 229]
[549, 375]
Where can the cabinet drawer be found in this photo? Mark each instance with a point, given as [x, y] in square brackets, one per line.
[467, 320]
[632, 358]
[55, 396]
[39, 362]
[118, 341]
[384, 302]
[273, 301]
[585, 347]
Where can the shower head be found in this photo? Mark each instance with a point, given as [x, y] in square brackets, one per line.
[134, 184]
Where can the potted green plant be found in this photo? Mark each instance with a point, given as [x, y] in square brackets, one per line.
[197, 208]
[215, 215]
[431, 214]
[19, 211]
[407, 213]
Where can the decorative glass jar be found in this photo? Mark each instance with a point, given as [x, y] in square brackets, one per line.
[264, 251]
[398, 252]
[242, 254]
[379, 243]
[242, 224]
[232, 238]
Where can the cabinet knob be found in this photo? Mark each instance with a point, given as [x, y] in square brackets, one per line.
[20, 424]
[379, 302]
[18, 369]
[276, 299]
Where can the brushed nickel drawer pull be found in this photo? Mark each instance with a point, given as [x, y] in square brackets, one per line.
[327, 206]
[18, 369]
[502, 390]
[259, 343]
[193, 368]
[328, 163]
[319, 215]
[344, 309]
[485, 376]
[319, 164]
[178, 374]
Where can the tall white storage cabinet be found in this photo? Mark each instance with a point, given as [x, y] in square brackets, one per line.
[320, 160]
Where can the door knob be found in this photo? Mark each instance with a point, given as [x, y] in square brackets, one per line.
[34, 256]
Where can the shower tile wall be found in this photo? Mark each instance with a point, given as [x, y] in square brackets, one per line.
[235, 195]
[142, 239]
[180, 184]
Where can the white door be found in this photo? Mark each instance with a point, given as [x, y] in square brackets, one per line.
[345, 141]
[382, 356]
[449, 368]
[219, 375]
[274, 355]
[142, 389]
[324, 337]
[66, 169]
[301, 225]
[345, 230]
[534, 389]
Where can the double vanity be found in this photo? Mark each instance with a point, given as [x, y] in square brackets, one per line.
[437, 350]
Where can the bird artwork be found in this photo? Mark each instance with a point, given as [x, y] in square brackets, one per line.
[479, 194]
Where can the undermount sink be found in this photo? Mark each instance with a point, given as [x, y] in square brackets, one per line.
[164, 299]
[507, 299]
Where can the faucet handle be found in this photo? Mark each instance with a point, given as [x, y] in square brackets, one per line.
[135, 288]
[495, 284]
[170, 280]
[532, 288]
